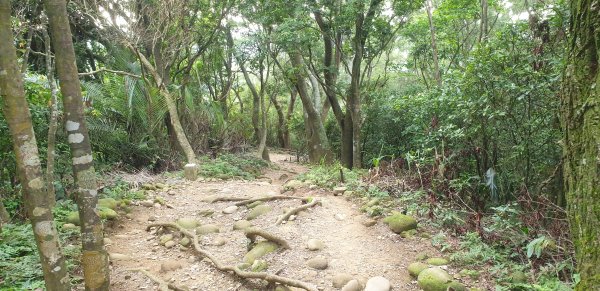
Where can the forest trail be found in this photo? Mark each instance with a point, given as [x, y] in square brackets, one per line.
[350, 247]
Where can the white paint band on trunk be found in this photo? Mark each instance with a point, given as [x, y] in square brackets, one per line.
[82, 160]
[75, 138]
[71, 125]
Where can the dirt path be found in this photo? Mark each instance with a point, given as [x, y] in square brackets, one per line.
[350, 246]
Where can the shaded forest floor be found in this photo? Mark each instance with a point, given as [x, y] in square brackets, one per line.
[352, 247]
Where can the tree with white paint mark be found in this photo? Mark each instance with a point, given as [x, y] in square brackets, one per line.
[94, 257]
[37, 203]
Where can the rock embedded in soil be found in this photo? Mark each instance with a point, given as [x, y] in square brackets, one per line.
[318, 263]
[170, 265]
[147, 203]
[314, 244]
[241, 224]
[352, 285]
[118, 257]
[259, 266]
[434, 279]
[107, 241]
[206, 212]
[185, 241]
[259, 250]
[187, 222]
[415, 268]
[340, 280]
[219, 241]
[254, 204]
[165, 238]
[206, 229]
[421, 256]
[378, 284]
[437, 261]
[456, 286]
[70, 225]
[339, 190]
[230, 210]
[258, 211]
[399, 222]
[368, 222]
[293, 185]
[170, 244]
[108, 203]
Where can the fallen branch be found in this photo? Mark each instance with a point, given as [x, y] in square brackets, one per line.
[296, 210]
[162, 284]
[227, 268]
[252, 232]
[268, 198]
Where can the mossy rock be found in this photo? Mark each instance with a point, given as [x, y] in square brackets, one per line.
[165, 238]
[259, 250]
[187, 222]
[473, 274]
[70, 226]
[293, 185]
[207, 228]
[244, 266]
[185, 241]
[416, 268]
[434, 279]
[408, 233]
[456, 286]
[399, 222]
[241, 224]
[421, 256]
[258, 211]
[107, 213]
[259, 266]
[148, 186]
[437, 261]
[373, 202]
[108, 203]
[160, 200]
[254, 204]
[73, 217]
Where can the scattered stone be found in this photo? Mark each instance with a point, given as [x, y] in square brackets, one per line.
[373, 202]
[241, 224]
[378, 284]
[118, 257]
[170, 265]
[399, 222]
[415, 268]
[339, 190]
[187, 222]
[313, 187]
[148, 186]
[259, 266]
[185, 241]
[368, 222]
[107, 213]
[422, 256]
[260, 249]
[434, 279]
[258, 211]
[470, 273]
[283, 177]
[318, 263]
[314, 244]
[293, 185]
[340, 280]
[170, 244]
[107, 241]
[108, 203]
[437, 261]
[292, 218]
[231, 209]
[159, 200]
[339, 216]
[206, 229]
[353, 285]
[71, 225]
[219, 241]
[151, 218]
[165, 238]
[147, 203]
[408, 233]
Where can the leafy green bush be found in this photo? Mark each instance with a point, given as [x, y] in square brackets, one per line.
[229, 166]
[328, 176]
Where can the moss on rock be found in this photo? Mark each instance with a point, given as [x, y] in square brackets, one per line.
[259, 250]
[434, 279]
[416, 268]
[399, 222]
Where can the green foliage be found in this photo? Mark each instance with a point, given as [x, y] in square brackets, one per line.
[328, 176]
[19, 262]
[229, 166]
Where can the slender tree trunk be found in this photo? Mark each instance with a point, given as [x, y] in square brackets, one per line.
[288, 116]
[436, 65]
[483, 25]
[317, 140]
[25, 64]
[4, 215]
[263, 151]
[581, 126]
[255, 101]
[36, 200]
[94, 256]
[280, 120]
[52, 123]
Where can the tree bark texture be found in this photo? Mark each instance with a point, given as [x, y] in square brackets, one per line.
[94, 257]
[53, 122]
[580, 111]
[18, 117]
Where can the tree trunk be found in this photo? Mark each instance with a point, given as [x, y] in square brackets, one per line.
[255, 101]
[263, 151]
[182, 139]
[288, 116]
[318, 143]
[581, 127]
[94, 256]
[36, 200]
[280, 120]
[52, 123]
[436, 65]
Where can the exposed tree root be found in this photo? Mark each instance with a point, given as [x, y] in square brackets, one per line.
[252, 232]
[268, 198]
[217, 198]
[293, 211]
[162, 284]
[271, 278]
